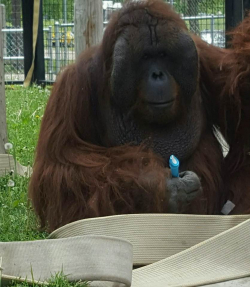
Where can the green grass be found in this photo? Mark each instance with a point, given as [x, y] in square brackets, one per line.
[58, 280]
[25, 108]
[17, 220]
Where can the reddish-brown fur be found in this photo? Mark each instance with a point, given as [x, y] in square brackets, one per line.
[75, 178]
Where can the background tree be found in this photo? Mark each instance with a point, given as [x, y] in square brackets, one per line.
[16, 13]
[53, 10]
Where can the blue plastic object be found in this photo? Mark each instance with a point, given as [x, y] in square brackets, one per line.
[174, 166]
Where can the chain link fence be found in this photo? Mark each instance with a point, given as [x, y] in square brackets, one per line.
[13, 40]
[58, 23]
[203, 17]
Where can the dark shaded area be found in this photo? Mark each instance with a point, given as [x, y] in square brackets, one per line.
[234, 15]
[39, 69]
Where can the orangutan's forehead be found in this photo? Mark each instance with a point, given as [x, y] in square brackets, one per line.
[168, 36]
[143, 17]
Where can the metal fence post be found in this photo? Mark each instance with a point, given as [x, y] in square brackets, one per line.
[212, 28]
[65, 46]
[50, 53]
[57, 44]
[65, 32]
[3, 126]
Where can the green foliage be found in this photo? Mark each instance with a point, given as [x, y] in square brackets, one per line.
[186, 7]
[8, 8]
[202, 6]
[54, 9]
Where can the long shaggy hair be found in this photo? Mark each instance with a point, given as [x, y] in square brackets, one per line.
[75, 177]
